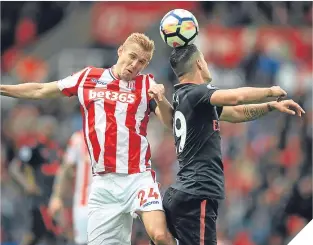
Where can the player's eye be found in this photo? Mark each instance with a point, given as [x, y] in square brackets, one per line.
[142, 62]
[132, 56]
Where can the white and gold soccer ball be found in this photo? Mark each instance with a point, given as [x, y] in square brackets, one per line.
[179, 28]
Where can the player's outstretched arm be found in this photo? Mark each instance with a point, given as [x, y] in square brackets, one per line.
[245, 95]
[31, 90]
[164, 111]
[245, 113]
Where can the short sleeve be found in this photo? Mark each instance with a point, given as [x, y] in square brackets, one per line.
[72, 153]
[203, 93]
[69, 85]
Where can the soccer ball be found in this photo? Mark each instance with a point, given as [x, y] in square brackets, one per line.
[179, 28]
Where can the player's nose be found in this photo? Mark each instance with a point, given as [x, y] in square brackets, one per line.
[135, 64]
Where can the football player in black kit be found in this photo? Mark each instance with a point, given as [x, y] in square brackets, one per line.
[191, 203]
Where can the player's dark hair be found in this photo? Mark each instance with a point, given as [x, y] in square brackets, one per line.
[181, 59]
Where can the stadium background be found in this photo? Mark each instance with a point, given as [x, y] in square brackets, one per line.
[268, 163]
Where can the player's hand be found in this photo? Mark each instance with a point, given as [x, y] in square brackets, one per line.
[55, 206]
[156, 92]
[289, 107]
[277, 92]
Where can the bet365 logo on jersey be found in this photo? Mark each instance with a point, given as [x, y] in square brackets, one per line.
[112, 96]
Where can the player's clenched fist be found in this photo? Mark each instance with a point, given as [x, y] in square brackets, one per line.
[156, 92]
[277, 91]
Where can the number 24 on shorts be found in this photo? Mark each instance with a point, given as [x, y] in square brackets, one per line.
[144, 196]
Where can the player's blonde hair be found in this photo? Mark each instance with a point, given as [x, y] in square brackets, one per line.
[144, 41]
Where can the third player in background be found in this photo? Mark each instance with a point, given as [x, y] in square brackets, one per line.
[76, 166]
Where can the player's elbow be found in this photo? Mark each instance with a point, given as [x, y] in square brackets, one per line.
[238, 100]
[161, 237]
[233, 100]
[30, 91]
[40, 93]
[226, 98]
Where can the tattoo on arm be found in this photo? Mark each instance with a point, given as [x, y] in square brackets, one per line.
[252, 112]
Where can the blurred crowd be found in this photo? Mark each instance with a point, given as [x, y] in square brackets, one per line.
[267, 163]
[23, 22]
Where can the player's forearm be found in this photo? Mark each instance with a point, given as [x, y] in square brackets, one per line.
[165, 112]
[23, 91]
[245, 113]
[64, 173]
[248, 95]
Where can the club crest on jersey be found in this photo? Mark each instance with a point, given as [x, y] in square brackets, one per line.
[210, 86]
[131, 85]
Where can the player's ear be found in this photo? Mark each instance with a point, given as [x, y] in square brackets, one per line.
[120, 50]
[199, 64]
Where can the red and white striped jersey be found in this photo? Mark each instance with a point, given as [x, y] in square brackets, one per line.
[77, 153]
[115, 117]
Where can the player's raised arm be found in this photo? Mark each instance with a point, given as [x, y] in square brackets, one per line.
[162, 108]
[189, 65]
[31, 90]
[164, 112]
[245, 95]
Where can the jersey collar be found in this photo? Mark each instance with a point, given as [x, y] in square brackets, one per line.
[112, 74]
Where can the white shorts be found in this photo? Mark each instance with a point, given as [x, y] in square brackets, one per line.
[113, 201]
[80, 219]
